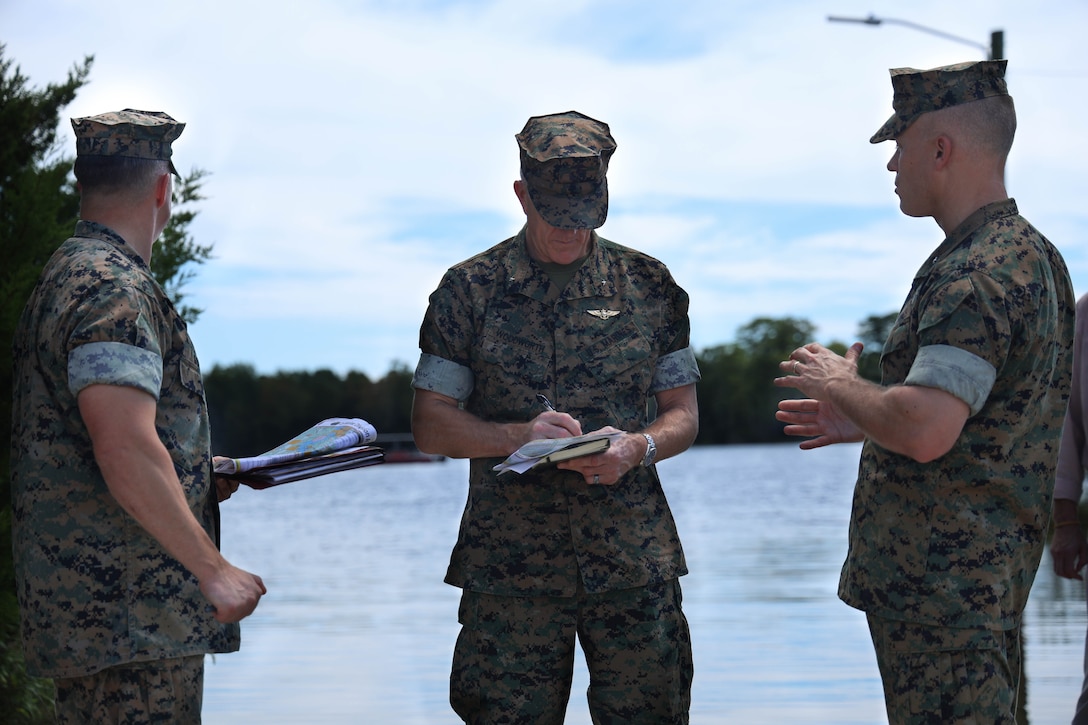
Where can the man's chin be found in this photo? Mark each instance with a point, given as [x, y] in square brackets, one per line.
[910, 212]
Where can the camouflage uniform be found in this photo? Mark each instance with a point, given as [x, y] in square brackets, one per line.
[95, 589]
[514, 334]
[496, 333]
[956, 543]
[943, 554]
[156, 691]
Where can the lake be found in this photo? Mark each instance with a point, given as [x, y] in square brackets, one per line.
[358, 627]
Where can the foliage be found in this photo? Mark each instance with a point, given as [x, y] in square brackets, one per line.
[736, 398]
[176, 248]
[38, 202]
[38, 208]
[873, 331]
[253, 413]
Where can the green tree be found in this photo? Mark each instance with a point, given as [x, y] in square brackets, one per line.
[722, 416]
[873, 331]
[391, 401]
[231, 391]
[737, 399]
[253, 413]
[769, 341]
[38, 203]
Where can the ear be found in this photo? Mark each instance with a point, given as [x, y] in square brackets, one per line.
[523, 195]
[162, 190]
[942, 152]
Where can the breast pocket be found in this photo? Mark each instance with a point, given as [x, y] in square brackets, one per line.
[622, 366]
[190, 377]
[514, 361]
[182, 419]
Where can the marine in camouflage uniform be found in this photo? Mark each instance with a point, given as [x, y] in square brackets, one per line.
[116, 620]
[943, 551]
[546, 555]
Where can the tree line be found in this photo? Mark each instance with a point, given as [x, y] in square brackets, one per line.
[251, 413]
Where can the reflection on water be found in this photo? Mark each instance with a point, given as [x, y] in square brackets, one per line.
[358, 627]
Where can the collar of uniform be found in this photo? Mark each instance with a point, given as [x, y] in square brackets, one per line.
[593, 278]
[982, 216]
[94, 230]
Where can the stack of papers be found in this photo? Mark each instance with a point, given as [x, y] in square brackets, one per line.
[334, 444]
[545, 451]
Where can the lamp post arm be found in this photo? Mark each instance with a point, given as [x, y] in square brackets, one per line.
[993, 51]
[938, 33]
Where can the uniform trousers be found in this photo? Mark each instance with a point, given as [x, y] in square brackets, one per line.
[139, 693]
[947, 675]
[514, 658]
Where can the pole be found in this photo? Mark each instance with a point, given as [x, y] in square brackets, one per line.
[997, 45]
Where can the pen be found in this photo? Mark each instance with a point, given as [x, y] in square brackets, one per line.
[545, 402]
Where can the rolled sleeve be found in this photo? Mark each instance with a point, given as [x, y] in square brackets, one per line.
[676, 370]
[443, 376]
[114, 363]
[956, 371]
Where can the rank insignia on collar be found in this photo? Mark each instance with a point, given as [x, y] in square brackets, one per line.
[604, 314]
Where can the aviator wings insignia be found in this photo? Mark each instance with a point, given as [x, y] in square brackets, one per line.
[603, 314]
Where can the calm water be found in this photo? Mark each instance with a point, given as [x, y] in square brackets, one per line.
[358, 627]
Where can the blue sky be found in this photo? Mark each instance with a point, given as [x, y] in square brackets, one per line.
[358, 149]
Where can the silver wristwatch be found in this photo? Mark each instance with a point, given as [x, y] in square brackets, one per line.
[651, 450]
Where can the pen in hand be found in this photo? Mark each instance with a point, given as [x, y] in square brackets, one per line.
[572, 430]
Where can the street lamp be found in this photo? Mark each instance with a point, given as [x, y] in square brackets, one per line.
[994, 51]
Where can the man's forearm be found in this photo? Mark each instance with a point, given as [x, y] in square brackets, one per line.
[440, 426]
[919, 422]
[677, 422]
[150, 492]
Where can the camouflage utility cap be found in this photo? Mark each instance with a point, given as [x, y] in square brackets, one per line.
[131, 133]
[564, 161]
[922, 91]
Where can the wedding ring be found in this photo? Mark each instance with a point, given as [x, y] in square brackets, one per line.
[596, 478]
[795, 364]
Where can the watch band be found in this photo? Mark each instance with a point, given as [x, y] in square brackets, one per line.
[651, 450]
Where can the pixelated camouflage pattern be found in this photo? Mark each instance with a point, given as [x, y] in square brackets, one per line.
[922, 91]
[94, 589]
[947, 675]
[564, 161]
[956, 542]
[131, 133]
[675, 370]
[114, 363]
[515, 655]
[164, 691]
[500, 316]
